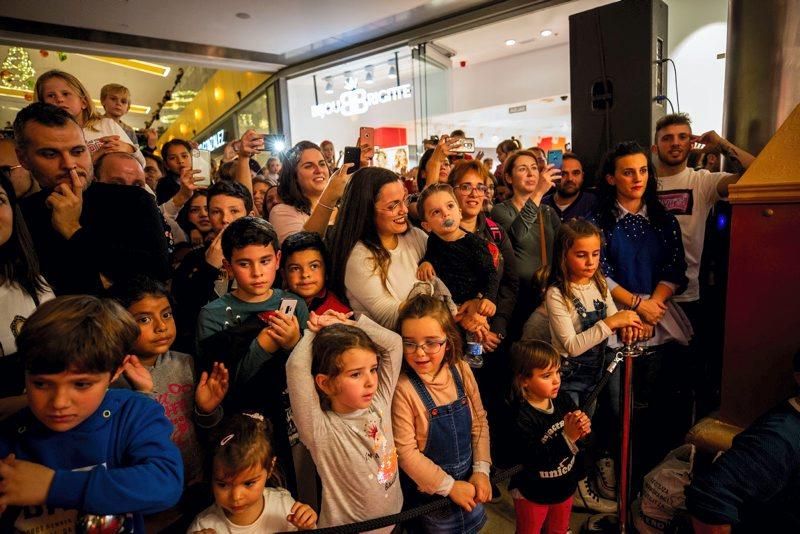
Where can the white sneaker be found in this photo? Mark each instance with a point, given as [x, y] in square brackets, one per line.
[605, 479]
[586, 497]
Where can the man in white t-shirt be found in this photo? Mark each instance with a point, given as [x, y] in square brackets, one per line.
[687, 193]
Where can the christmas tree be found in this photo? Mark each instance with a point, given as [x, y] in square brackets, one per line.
[18, 70]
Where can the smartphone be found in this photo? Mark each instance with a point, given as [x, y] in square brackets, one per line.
[367, 136]
[466, 146]
[287, 306]
[201, 160]
[352, 154]
[274, 143]
[555, 158]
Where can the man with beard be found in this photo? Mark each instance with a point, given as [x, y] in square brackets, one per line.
[86, 234]
[687, 193]
[569, 200]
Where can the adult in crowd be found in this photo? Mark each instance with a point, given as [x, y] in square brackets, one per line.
[308, 192]
[154, 170]
[690, 194]
[21, 179]
[531, 226]
[469, 179]
[374, 251]
[102, 134]
[22, 287]
[569, 200]
[86, 235]
[643, 261]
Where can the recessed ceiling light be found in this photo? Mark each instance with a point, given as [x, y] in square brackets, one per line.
[546, 33]
[243, 16]
[510, 42]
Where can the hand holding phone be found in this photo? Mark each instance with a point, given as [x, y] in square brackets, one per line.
[366, 139]
[352, 155]
[201, 160]
[466, 145]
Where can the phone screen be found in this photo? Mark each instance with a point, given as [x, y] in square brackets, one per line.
[555, 158]
[352, 154]
[201, 160]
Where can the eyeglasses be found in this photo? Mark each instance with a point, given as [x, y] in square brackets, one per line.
[468, 188]
[394, 207]
[429, 347]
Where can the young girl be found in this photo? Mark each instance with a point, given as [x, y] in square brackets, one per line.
[580, 309]
[193, 219]
[341, 379]
[439, 423]
[103, 135]
[548, 426]
[243, 464]
[169, 376]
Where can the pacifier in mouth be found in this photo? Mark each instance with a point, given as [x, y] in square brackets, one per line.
[449, 223]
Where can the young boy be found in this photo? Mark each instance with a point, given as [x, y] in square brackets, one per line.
[80, 448]
[304, 259]
[116, 100]
[244, 329]
[169, 376]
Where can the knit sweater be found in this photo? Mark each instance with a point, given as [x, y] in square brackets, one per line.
[354, 453]
[118, 461]
[467, 266]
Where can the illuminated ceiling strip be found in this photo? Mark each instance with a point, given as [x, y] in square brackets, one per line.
[20, 93]
[135, 64]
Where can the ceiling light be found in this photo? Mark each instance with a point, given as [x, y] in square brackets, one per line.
[510, 42]
[243, 16]
[328, 85]
[369, 77]
[546, 33]
[134, 64]
[392, 69]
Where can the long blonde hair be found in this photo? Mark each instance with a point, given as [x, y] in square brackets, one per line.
[89, 116]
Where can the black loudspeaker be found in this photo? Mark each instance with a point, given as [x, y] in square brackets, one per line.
[616, 76]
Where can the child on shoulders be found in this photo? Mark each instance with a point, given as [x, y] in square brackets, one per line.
[80, 447]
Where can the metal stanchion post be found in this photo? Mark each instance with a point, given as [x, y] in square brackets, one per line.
[629, 352]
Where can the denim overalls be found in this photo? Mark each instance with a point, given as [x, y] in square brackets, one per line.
[449, 446]
[579, 374]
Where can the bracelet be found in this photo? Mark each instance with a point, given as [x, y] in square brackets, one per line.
[325, 206]
[636, 301]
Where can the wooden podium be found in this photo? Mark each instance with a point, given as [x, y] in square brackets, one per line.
[762, 324]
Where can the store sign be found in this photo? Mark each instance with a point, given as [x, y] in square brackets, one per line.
[359, 101]
[213, 142]
[518, 109]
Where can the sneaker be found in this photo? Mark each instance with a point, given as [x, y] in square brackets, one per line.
[606, 479]
[605, 523]
[586, 497]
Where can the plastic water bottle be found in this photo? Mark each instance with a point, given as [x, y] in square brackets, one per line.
[473, 353]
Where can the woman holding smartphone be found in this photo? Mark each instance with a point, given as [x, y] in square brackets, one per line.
[307, 191]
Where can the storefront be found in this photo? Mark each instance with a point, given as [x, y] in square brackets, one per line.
[377, 91]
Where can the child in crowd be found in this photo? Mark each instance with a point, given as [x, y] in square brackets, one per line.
[466, 263]
[341, 377]
[193, 219]
[169, 376]
[116, 101]
[244, 462]
[80, 447]
[305, 258]
[580, 309]
[249, 331]
[548, 427]
[439, 423]
[103, 134]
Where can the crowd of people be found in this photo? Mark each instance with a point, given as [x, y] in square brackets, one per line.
[200, 351]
